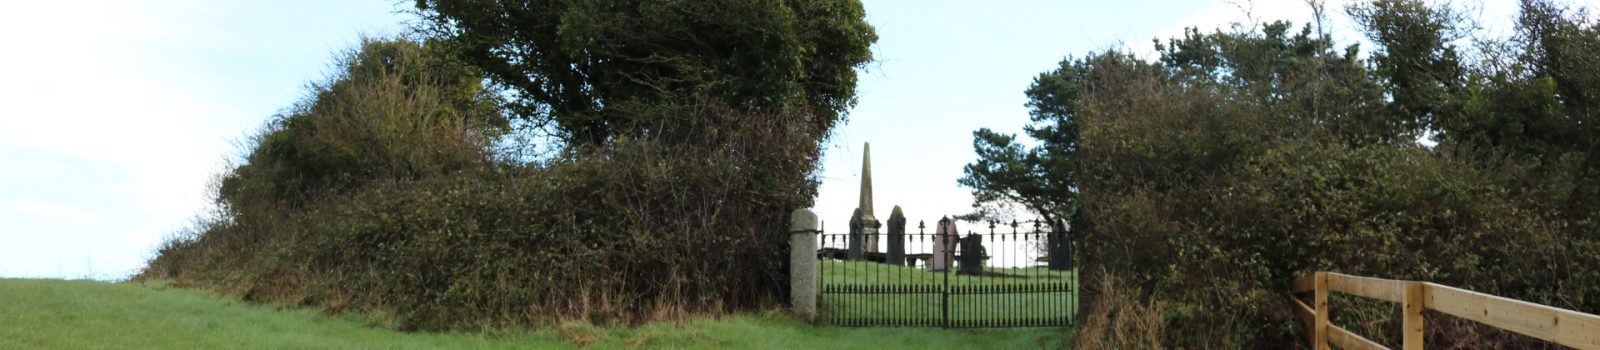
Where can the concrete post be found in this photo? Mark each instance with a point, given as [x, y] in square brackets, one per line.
[803, 263]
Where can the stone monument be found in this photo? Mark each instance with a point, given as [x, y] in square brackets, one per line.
[944, 245]
[853, 247]
[896, 248]
[869, 222]
[1058, 246]
[972, 254]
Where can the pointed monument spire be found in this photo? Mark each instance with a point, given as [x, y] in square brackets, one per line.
[869, 222]
[866, 182]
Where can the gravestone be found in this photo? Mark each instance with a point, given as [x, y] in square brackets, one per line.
[1058, 246]
[896, 249]
[854, 247]
[944, 245]
[972, 254]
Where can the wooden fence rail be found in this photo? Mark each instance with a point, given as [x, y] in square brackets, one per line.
[1565, 327]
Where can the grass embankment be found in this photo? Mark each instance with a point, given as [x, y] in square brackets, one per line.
[57, 314]
[1029, 294]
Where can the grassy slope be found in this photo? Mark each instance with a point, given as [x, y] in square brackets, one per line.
[55, 314]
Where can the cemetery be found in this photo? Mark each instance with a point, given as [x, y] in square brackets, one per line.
[1019, 276]
[1352, 174]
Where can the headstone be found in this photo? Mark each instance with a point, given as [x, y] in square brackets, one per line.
[854, 247]
[896, 248]
[1058, 246]
[944, 245]
[972, 254]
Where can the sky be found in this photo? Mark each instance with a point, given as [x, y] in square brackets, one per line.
[115, 115]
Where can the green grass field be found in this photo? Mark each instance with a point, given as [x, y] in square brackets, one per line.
[58, 314]
[1032, 294]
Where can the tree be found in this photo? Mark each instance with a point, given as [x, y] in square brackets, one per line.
[1040, 179]
[1562, 50]
[594, 69]
[1415, 58]
[1251, 157]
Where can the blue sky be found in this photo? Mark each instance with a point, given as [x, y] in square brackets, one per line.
[114, 115]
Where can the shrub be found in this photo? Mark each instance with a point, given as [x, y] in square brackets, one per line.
[380, 195]
[1244, 160]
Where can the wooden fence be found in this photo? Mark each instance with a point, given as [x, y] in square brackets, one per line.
[1565, 327]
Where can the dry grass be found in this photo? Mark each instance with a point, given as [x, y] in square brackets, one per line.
[1120, 317]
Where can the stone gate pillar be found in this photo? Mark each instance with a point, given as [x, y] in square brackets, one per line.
[803, 263]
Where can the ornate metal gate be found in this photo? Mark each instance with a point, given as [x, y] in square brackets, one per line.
[942, 279]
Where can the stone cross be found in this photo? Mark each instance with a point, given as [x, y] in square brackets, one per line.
[897, 238]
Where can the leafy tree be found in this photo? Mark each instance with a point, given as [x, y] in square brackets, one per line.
[386, 189]
[1041, 178]
[1294, 75]
[1416, 59]
[1037, 178]
[1563, 48]
[595, 68]
[1239, 160]
[382, 191]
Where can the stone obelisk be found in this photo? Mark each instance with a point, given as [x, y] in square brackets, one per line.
[869, 222]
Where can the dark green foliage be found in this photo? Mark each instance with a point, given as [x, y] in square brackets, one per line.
[1241, 160]
[1006, 173]
[647, 233]
[1562, 47]
[687, 131]
[1040, 179]
[655, 229]
[394, 110]
[381, 193]
[1420, 67]
[595, 68]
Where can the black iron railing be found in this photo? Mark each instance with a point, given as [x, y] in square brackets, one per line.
[1024, 278]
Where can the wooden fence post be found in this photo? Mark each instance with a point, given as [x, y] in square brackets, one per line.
[1321, 327]
[1412, 322]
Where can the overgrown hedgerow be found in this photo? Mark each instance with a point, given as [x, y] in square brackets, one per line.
[1242, 160]
[654, 225]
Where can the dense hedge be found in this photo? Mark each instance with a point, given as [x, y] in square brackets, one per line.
[1242, 160]
[420, 221]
